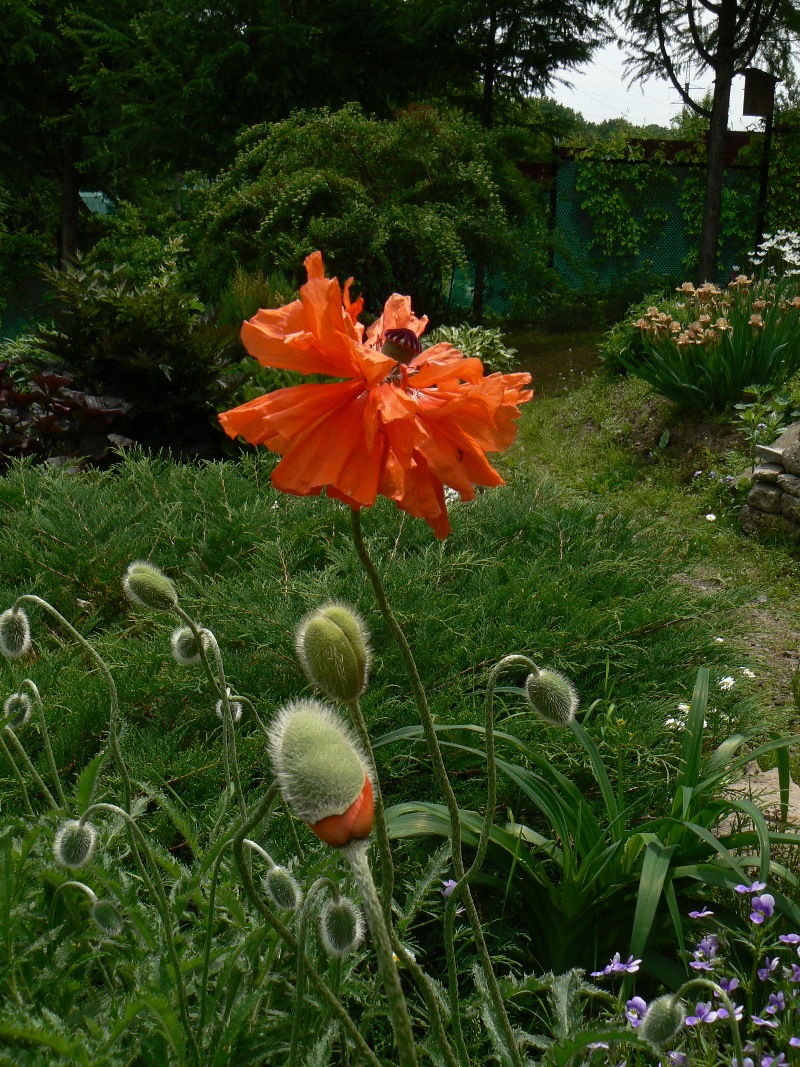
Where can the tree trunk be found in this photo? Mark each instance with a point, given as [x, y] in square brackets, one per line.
[717, 139]
[70, 203]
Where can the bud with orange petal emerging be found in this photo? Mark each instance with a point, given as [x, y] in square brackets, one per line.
[322, 772]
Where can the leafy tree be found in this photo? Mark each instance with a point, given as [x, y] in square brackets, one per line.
[393, 202]
[677, 37]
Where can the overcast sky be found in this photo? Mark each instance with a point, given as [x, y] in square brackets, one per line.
[598, 91]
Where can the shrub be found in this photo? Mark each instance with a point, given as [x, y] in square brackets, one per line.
[704, 348]
[395, 203]
[623, 344]
[481, 342]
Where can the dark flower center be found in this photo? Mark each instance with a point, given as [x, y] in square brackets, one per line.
[401, 344]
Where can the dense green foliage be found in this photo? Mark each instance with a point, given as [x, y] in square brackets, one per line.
[394, 204]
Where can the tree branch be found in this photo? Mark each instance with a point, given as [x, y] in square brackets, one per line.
[670, 69]
[694, 29]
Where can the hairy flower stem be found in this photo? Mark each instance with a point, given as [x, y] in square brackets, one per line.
[32, 688]
[31, 769]
[319, 983]
[113, 718]
[156, 887]
[205, 639]
[437, 760]
[356, 855]
[26, 800]
[302, 930]
[483, 844]
[726, 1000]
[381, 832]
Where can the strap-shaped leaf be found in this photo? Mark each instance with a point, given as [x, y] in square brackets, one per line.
[655, 868]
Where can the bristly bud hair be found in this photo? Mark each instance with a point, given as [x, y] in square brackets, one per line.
[234, 705]
[552, 696]
[663, 1020]
[146, 585]
[186, 649]
[74, 844]
[341, 926]
[283, 889]
[107, 917]
[15, 633]
[17, 709]
[322, 771]
[333, 647]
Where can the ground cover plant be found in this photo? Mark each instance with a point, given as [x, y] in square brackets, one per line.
[171, 945]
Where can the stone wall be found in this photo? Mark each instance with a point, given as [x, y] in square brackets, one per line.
[773, 503]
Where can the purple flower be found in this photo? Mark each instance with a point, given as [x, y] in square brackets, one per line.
[680, 1059]
[774, 1061]
[794, 1042]
[704, 914]
[790, 939]
[777, 1002]
[738, 1012]
[763, 908]
[747, 1062]
[448, 887]
[702, 965]
[770, 963]
[758, 1021]
[703, 1013]
[795, 973]
[727, 985]
[756, 887]
[634, 1010]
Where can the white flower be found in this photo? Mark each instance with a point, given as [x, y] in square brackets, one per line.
[674, 724]
[711, 517]
[685, 708]
[747, 672]
[727, 682]
[720, 640]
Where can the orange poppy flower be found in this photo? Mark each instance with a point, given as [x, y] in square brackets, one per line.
[392, 425]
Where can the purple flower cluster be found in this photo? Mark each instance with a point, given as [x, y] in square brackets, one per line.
[705, 955]
[617, 966]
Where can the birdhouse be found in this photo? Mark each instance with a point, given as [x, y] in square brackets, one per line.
[759, 92]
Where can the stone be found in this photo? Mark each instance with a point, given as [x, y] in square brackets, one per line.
[765, 497]
[754, 521]
[790, 458]
[789, 483]
[790, 436]
[766, 472]
[768, 454]
[790, 506]
[763, 787]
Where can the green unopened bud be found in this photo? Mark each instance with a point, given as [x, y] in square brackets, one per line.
[662, 1021]
[146, 585]
[185, 646]
[322, 772]
[74, 844]
[15, 633]
[332, 646]
[107, 917]
[282, 888]
[341, 926]
[552, 696]
[17, 710]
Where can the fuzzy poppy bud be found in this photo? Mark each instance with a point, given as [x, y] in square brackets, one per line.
[74, 844]
[17, 710]
[282, 888]
[662, 1021]
[341, 926]
[552, 696]
[401, 344]
[322, 772]
[185, 646]
[15, 633]
[234, 705]
[332, 646]
[107, 917]
[146, 585]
